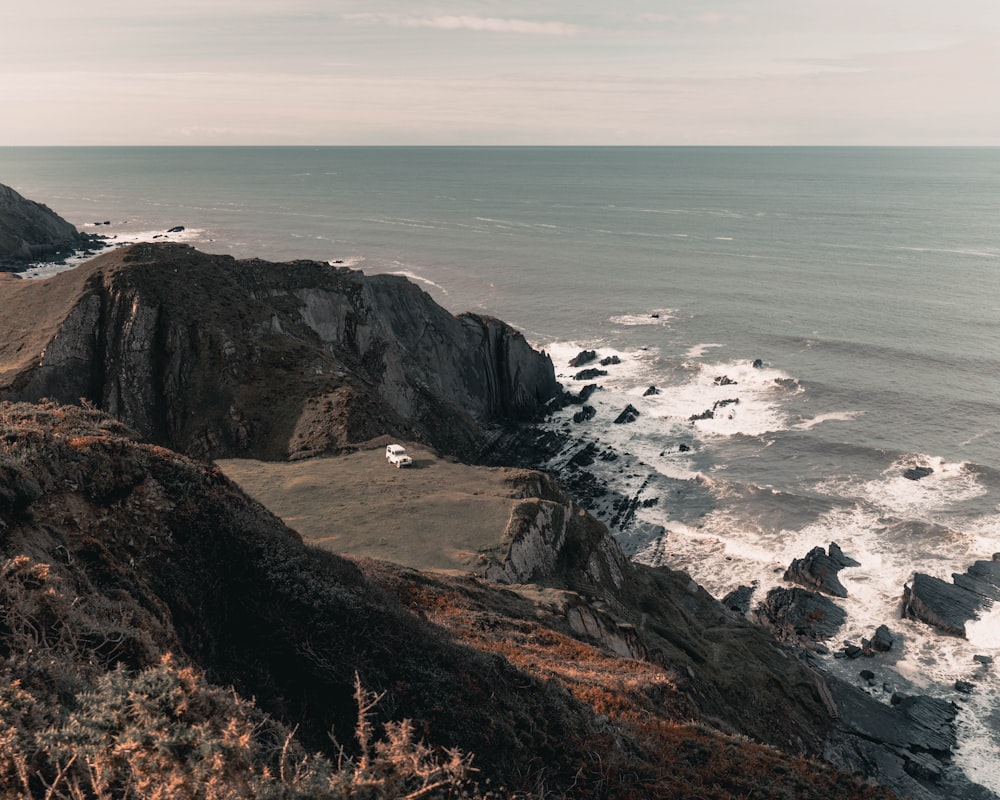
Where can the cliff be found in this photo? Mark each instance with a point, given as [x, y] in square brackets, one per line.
[30, 231]
[138, 585]
[217, 357]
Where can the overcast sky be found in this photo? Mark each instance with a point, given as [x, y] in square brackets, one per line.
[639, 72]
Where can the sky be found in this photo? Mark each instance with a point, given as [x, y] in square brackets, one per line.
[549, 72]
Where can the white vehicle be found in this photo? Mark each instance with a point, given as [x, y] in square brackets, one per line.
[396, 454]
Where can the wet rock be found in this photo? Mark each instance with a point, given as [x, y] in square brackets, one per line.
[801, 614]
[868, 676]
[583, 457]
[176, 229]
[738, 599]
[819, 570]
[583, 357]
[882, 641]
[724, 380]
[707, 414]
[629, 414]
[984, 660]
[758, 363]
[610, 361]
[590, 374]
[948, 606]
[916, 473]
[587, 391]
[585, 414]
[683, 448]
[650, 391]
[964, 687]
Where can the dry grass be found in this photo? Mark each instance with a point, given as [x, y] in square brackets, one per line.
[437, 514]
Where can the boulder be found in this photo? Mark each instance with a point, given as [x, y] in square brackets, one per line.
[629, 414]
[819, 570]
[583, 357]
[883, 640]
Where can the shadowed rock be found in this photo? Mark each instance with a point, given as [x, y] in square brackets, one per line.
[948, 606]
[800, 614]
[819, 570]
[30, 231]
[217, 357]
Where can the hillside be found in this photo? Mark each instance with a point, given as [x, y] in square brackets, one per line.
[138, 585]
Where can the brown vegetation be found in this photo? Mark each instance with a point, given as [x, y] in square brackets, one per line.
[162, 635]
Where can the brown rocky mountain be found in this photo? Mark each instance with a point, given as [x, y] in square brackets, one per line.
[217, 357]
[30, 231]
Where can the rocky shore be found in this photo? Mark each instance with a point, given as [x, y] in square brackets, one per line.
[31, 232]
[565, 668]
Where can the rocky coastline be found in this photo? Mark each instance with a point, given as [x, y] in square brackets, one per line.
[31, 232]
[122, 379]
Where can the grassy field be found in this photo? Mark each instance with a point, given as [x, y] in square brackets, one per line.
[436, 514]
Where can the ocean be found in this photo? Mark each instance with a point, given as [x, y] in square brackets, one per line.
[865, 283]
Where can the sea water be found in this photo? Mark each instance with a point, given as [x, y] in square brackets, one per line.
[864, 283]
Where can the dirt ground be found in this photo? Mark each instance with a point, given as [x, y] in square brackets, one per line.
[435, 514]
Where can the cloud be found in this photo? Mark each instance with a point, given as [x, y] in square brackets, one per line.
[716, 18]
[469, 23]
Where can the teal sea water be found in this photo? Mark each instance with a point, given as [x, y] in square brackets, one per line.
[865, 280]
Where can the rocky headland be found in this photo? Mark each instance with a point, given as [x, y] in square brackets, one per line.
[140, 583]
[31, 232]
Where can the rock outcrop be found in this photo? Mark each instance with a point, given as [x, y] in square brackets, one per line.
[819, 570]
[30, 231]
[217, 357]
[948, 606]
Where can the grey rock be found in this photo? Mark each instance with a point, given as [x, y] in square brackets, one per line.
[30, 231]
[819, 570]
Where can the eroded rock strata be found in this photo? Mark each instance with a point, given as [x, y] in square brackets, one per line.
[217, 357]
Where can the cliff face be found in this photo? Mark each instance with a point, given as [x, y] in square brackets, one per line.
[30, 231]
[217, 357]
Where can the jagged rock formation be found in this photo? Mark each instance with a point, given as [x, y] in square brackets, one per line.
[948, 606]
[216, 357]
[30, 231]
[819, 569]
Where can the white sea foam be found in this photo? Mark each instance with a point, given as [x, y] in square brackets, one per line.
[699, 350]
[834, 416]
[658, 316]
[949, 483]
[413, 276]
[114, 241]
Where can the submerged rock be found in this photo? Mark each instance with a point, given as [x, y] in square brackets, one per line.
[916, 473]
